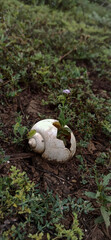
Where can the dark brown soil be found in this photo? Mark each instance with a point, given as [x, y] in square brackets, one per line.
[65, 178]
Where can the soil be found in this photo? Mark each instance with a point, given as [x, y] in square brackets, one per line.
[63, 179]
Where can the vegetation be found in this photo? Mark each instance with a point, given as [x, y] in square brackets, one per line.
[22, 201]
[54, 48]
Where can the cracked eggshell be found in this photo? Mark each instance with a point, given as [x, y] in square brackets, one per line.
[54, 148]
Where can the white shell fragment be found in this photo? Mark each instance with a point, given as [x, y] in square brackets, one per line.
[45, 141]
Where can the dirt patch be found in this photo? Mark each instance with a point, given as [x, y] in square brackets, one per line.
[100, 86]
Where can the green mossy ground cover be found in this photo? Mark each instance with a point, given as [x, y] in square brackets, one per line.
[46, 47]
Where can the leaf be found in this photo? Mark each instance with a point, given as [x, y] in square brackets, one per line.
[57, 124]
[15, 205]
[36, 236]
[48, 236]
[99, 220]
[90, 194]
[106, 179]
[98, 194]
[16, 126]
[108, 198]
[65, 131]
[108, 188]
[31, 133]
[106, 216]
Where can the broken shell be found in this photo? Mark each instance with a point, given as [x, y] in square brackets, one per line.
[45, 141]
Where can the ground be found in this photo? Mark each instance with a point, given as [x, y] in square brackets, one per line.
[65, 178]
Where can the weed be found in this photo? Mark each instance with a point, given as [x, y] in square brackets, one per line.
[64, 132]
[75, 233]
[36, 236]
[19, 131]
[20, 196]
[102, 158]
[3, 157]
[79, 205]
[102, 198]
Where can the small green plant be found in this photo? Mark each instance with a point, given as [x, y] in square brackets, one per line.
[3, 157]
[32, 208]
[102, 198]
[75, 233]
[63, 119]
[106, 125]
[15, 191]
[79, 205]
[19, 131]
[31, 133]
[64, 132]
[102, 158]
[15, 232]
[36, 236]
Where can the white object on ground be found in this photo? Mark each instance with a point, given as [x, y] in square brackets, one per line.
[46, 143]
